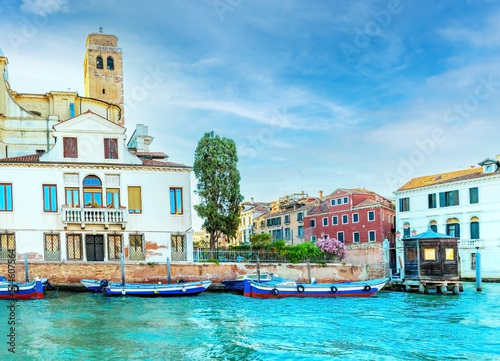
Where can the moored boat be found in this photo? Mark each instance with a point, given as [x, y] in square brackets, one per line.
[238, 284]
[156, 290]
[279, 289]
[22, 291]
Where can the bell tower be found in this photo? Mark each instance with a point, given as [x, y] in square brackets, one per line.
[103, 70]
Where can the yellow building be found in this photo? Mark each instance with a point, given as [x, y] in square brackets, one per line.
[26, 120]
[285, 220]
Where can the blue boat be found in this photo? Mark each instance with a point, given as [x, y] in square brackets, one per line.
[157, 290]
[280, 289]
[22, 291]
[238, 284]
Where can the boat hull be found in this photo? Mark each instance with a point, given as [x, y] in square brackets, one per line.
[157, 290]
[25, 291]
[348, 289]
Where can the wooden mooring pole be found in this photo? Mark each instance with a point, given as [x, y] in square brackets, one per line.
[479, 288]
[26, 270]
[258, 270]
[168, 270]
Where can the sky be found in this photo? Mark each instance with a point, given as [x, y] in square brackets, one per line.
[316, 95]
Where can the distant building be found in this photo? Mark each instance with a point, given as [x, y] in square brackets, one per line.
[249, 212]
[352, 216]
[463, 204]
[285, 220]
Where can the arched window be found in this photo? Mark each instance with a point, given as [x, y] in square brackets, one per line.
[92, 191]
[99, 63]
[433, 225]
[111, 63]
[474, 228]
[453, 227]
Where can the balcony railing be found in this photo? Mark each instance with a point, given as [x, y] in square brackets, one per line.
[105, 216]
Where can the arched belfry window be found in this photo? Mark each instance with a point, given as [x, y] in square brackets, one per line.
[92, 191]
[99, 63]
[111, 63]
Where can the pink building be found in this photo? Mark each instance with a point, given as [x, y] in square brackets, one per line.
[352, 216]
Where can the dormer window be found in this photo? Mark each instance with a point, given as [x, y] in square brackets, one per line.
[489, 165]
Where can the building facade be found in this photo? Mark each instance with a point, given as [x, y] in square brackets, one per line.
[462, 204]
[249, 212]
[353, 216]
[285, 220]
[89, 199]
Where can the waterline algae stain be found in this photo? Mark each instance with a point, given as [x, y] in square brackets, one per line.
[224, 326]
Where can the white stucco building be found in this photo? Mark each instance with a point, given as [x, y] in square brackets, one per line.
[89, 198]
[463, 204]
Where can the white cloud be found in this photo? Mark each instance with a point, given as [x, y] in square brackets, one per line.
[44, 7]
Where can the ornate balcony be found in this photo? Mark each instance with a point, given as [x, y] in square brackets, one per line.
[83, 216]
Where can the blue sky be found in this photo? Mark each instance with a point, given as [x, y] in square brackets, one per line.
[317, 95]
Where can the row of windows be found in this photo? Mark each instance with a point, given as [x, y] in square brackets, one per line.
[276, 221]
[337, 201]
[110, 63]
[92, 197]
[286, 233]
[93, 247]
[355, 237]
[344, 218]
[446, 199]
[452, 228]
[70, 148]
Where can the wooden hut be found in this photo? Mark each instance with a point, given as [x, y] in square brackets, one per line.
[431, 262]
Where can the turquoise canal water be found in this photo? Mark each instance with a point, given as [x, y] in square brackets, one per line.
[224, 326]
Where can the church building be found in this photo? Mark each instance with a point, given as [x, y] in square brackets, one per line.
[72, 189]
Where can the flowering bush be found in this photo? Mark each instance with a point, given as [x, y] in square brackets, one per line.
[332, 246]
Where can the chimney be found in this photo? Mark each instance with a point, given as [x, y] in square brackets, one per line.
[251, 200]
[320, 196]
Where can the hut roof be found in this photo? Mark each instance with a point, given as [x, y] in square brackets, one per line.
[429, 234]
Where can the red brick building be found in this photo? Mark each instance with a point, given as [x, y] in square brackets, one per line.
[352, 216]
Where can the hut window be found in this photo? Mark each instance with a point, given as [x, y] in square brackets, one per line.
[450, 254]
[410, 254]
[429, 254]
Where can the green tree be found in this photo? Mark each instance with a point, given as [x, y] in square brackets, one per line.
[215, 168]
[260, 241]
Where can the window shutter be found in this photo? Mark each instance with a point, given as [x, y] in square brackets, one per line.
[134, 199]
[442, 199]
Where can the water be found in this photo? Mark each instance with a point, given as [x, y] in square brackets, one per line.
[223, 326]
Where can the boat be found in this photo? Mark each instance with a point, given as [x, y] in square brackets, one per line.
[238, 284]
[95, 286]
[279, 288]
[22, 291]
[155, 290]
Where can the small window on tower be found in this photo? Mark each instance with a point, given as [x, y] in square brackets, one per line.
[104, 91]
[111, 63]
[99, 63]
